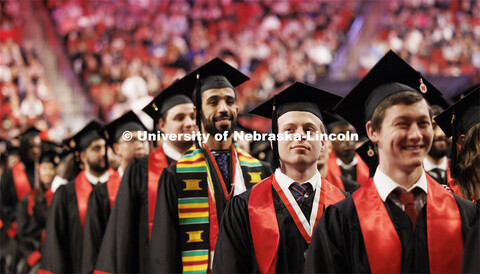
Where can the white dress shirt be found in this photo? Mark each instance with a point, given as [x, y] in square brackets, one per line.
[171, 152]
[94, 179]
[386, 186]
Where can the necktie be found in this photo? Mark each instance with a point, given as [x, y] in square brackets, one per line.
[407, 200]
[437, 174]
[299, 191]
[221, 160]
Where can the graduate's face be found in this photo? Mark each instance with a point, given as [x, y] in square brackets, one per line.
[46, 174]
[440, 144]
[404, 137]
[219, 110]
[94, 157]
[34, 149]
[302, 152]
[346, 148]
[179, 119]
[134, 148]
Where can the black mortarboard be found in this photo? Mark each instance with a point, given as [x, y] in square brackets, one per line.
[297, 97]
[175, 94]
[91, 132]
[333, 120]
[458, 119]
[389, 75]
[31, 131]
[50, 156]
[127, 122]
[369, 156]
[213, 75]
[51, 146]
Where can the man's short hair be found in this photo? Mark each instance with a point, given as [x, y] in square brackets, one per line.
[400, 98]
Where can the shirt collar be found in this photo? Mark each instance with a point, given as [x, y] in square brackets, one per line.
[347, 166]
[385, 185]
[94, 179]
[284, 181]
[120, 171]
[428, 165]
[171, 152]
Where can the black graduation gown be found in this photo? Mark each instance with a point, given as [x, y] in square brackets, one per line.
[350, 185]
[234, 251]
[95, 223]
[8, 213]
[165, 245]
[64, 238]
[8, 198]
[124, 248]
[338, 246]
[31, 227]
[471, 253]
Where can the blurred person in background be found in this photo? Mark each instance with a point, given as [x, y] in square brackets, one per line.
[32, 214]
[15, 184]
[132, 216]
[103, 196]
[436, 163]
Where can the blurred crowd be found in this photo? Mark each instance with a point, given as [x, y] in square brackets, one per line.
[129, 49]
[26, 96]
[436, 37]
[124, 52]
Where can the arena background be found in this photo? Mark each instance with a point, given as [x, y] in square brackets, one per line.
[65, 62]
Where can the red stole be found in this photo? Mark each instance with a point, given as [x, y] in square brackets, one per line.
[31, 200]
[20, 179]
[82, 191]
[263, 220]
[384, 250]
[335, 180]
[113, 184]
[157, 162]
[362, 169]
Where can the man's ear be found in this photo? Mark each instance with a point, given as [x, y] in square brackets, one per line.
[461, 140]
[116, 149]
[83, 157]
[161, 124]
[371, 132]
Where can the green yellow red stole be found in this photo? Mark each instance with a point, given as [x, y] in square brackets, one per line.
[197, 210]
[263, 220]
[384, 250]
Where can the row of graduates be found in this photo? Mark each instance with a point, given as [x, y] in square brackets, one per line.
[179, 206]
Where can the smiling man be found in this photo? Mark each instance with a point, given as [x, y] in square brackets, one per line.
[401, 220]
[193, 192]
[268, 229]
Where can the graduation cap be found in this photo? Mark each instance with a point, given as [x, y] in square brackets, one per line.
[213, 75]
[29, 132]
[127, 122]
[333, 120]
[91, 132]
[369, 156]
[389, 75]
[50, 156]
[297, 97]
[51, 146]
[175, 94]
[458, 119]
